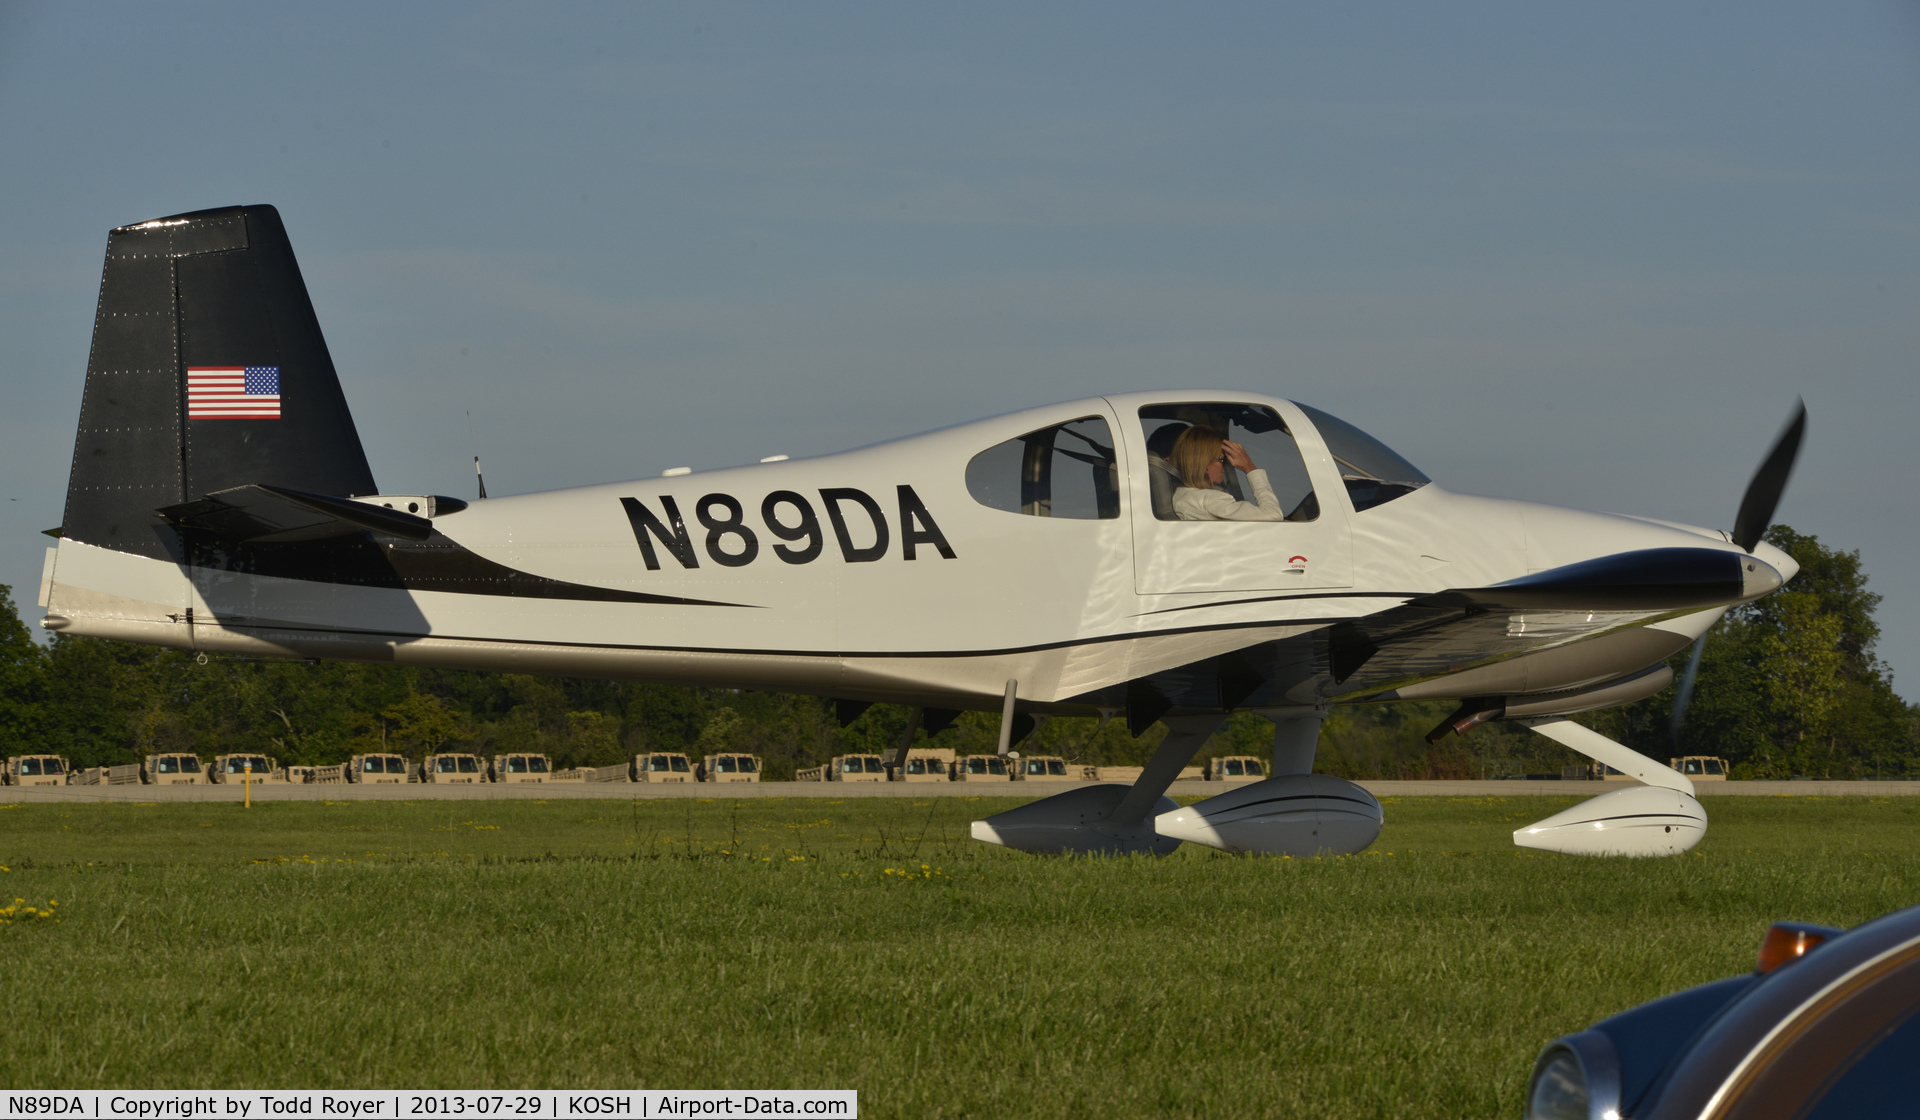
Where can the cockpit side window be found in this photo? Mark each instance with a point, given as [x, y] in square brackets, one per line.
[1068, 470]
[1257, 428]
[1373, 473]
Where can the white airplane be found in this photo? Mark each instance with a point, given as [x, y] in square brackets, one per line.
[1033, 563]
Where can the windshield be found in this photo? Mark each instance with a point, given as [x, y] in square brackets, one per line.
[469, 764]
[1372, 472]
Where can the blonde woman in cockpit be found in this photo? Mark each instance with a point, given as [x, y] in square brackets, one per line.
[1198, 458]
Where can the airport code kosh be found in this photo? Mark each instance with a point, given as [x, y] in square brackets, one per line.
[839, 1104]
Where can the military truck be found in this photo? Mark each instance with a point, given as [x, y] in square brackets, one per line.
[1235, 768]
[1701, 767]
[982, 768]
[521, 766]
[172, 769]
[35, 770]
[1045, 768]
[234, 768]
[729, 767]
[662, 766]
[453, 768]
[379, 770]
[925, 764]
[846, 768]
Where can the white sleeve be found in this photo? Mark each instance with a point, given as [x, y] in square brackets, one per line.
[1264, 507]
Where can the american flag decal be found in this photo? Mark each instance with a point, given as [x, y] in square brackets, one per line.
[233, 392]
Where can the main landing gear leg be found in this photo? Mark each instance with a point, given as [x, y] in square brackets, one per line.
[1106, 818]
[1660, 818]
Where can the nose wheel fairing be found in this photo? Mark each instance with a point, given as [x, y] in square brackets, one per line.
[1638, 821]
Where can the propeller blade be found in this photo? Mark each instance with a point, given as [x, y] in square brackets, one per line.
[1683, 696]
[1763, 493]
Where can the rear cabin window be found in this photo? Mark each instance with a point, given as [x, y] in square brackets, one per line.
[1259, 429]
[1373, 473]
[1068, 470]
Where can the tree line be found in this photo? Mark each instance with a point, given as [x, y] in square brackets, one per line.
[1789, 686]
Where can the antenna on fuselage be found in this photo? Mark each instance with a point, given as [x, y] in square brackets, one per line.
[475, 443]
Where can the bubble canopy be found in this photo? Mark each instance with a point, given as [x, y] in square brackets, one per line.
[1374, 474]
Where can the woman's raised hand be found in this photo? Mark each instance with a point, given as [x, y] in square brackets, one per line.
[1237, 456]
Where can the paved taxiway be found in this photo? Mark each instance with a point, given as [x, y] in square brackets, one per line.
[562, 791]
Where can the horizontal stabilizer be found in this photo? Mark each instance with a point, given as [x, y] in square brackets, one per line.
[270, 514]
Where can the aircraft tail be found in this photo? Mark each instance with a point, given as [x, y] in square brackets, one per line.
[208, 371]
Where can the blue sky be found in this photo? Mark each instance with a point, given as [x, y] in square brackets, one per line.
[1579, 254]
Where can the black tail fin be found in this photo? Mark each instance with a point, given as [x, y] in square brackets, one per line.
[210, 291]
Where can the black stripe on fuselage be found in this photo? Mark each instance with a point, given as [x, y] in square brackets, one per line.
[384, 561]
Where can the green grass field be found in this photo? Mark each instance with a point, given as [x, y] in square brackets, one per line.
[869, 944]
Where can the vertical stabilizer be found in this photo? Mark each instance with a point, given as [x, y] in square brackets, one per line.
[210, 291]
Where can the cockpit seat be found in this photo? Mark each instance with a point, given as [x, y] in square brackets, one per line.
[1162, 482]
